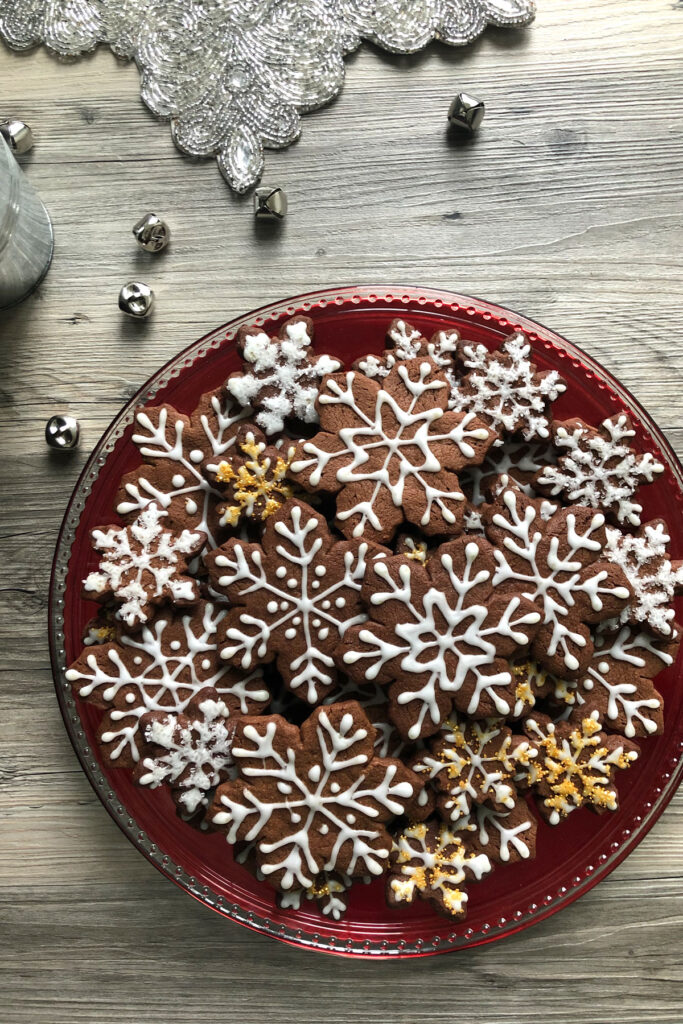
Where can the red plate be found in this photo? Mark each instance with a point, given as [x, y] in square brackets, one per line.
[571, 858]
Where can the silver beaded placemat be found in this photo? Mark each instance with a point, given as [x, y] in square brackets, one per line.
[233, 76]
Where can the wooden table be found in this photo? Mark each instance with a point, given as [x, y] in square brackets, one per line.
[567, 208]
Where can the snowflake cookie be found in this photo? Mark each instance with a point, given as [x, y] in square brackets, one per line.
[189, 751]
[469, 763]
[252, 480]
[598, 467]
[142, 565]
[405, 342]
[532, 683]
[162, 668]
[430, 862]
[575, 764]
[281, 375]
[440, 635]
[506, 389]
[294, 595]
[619, 679]
[519, 461]
[174, 448]
[655, 579]
[505, 836]
[330, 891]
[390, 451]
[556, 559]
[313, 799]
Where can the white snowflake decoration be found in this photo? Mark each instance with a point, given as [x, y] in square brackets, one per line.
[194, 752]
[156, 671]
[655, 579]
[335, 797]
[164, 441]
[387, 448]
[234, 77]
[305, 598]
[434, 622]
[556, 576]
[506, 386]
[286, 365]
[598, 468]
[142, 563]
[408, 344]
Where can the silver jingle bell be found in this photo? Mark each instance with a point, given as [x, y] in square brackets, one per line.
[62, 433]
[17, 135]
[466, 113]
[270, 203]
[136, 299]
[152, 233]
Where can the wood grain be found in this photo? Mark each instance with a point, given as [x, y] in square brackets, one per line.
[568, 208]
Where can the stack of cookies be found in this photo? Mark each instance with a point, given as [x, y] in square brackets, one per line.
[391, 620]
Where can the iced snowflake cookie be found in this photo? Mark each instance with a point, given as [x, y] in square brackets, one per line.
[575, 764]
[440, 635]
[281, 375]
[519, 461]
[313, 799]
[619, 679]
[430, 862]
[597, 467]
[468, 764]
[557, 560]
[252, 479]
[505, 836]
[143, 565]
[174, 448]
[161, 668]
[506, 389]
[391, 451]
[294, 596]
[532, 684]
[189, 751]
[405, 342]
[654, 577]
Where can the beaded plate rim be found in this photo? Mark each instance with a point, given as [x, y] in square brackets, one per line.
[605, 861]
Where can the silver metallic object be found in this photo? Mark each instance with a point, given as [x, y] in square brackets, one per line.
[152, 233]
[17, 135]
[270, 203]
[62, 433]
[256, 65]
[26, 240]
[136, 299]
[466, 113]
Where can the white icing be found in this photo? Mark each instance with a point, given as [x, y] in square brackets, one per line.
[408, 343]
[489, 821]
[554, 582]
[165, 444]
[630, 695]
[511, 459]
[576, 767]
[301, 551]
[509, 394]
[469, 770]
[313, 803]
[645, 561]
[599, 468]
[434, 868]
[439, 622]
[390, 447]
[164, 681]
[193, 753]
[142, 564]
[288, 366]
